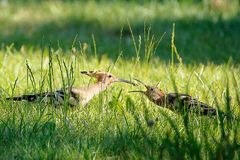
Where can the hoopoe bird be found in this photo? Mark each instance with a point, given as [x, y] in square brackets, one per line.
[76, 96]
[177, 101]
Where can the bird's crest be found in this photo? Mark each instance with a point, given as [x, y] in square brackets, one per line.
[105, 77]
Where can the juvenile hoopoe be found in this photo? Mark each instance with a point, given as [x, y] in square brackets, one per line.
[80, 95]
[177, 101]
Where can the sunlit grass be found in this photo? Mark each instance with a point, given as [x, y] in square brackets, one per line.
[115, 123]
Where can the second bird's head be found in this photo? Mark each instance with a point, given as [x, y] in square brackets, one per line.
[153, 93]
[105, 77]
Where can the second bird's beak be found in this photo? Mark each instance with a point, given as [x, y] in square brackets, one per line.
[142, 84]
[125, 81]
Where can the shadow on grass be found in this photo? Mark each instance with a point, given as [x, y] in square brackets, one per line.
[197, 41]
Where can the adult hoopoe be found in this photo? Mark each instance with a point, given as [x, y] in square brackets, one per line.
[80, 95]
[177, 101]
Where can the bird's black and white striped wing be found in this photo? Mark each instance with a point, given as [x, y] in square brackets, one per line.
[58, 97]
[176, 99]
[185, 102]
[39, 96]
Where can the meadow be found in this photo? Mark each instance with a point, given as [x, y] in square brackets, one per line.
[190, 47]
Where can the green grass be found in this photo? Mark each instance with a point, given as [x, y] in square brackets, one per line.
[115, 123]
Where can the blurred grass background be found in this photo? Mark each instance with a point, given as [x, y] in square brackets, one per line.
[206, 30]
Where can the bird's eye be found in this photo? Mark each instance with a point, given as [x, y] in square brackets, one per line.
[109, 76]
[151, 89]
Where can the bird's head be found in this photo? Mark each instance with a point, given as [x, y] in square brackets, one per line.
[153, 93]
[105, 77]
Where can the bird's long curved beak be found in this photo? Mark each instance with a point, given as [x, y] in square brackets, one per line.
[142, 84]
[137, 91]
[125, 81]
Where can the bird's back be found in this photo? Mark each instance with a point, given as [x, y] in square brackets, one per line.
[58, 97]
[38, 96]
[185, 102]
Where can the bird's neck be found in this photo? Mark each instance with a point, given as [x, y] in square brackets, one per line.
[161, 99]
[96, 88]
[92, 90]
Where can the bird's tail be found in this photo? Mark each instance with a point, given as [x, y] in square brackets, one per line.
[59, 94]
[27, 97]
[205, 109]
[208, 110]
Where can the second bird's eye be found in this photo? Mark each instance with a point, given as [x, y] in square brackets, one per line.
[151, 89]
